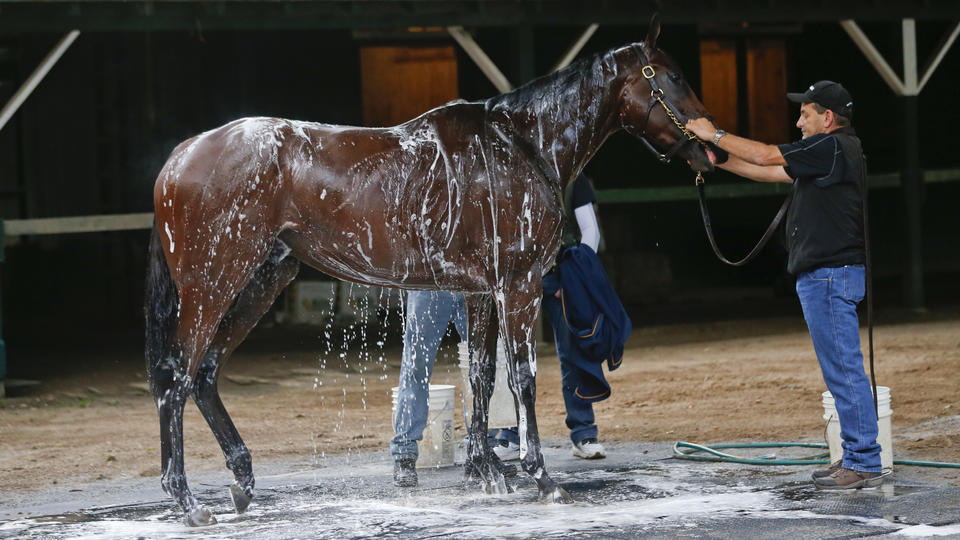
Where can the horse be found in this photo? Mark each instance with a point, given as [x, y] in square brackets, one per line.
[466, 197]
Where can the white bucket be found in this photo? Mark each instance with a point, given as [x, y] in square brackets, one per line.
[437, 446]
[884, 436]
[502, 411]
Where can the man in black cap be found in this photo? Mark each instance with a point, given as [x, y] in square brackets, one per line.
[825, 239]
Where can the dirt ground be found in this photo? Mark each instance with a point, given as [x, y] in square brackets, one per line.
[744, 381]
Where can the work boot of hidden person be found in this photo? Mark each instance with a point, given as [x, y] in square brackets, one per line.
[405, 472]
[823, 473]
[849, 479]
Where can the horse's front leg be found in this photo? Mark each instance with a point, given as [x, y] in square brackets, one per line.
[482, 463]
[518, 316]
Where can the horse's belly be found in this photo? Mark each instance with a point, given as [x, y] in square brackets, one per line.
[396, 267]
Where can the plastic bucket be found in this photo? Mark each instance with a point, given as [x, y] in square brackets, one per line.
[502, 411]
[884, 436]
[437, 446]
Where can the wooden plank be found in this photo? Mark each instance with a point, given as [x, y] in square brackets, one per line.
[144, 15]
[399, 83]
[718, 81]
[78, 224]
[767, 90]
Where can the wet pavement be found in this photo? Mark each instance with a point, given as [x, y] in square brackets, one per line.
[638, 491]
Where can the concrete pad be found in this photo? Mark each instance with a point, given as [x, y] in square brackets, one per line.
[637, 491]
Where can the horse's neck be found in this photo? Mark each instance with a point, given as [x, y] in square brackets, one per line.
[564, 118]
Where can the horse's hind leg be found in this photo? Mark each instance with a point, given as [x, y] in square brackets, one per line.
[518, 310]
[170, 381]
[252, 303]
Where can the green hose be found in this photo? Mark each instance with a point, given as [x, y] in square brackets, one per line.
[679, 452]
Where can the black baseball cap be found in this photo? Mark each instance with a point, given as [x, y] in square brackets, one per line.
[829, 94]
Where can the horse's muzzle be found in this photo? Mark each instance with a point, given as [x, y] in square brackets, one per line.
[696, 155]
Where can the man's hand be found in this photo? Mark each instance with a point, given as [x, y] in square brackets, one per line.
[702, 128]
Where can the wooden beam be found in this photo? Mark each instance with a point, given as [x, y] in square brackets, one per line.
[575, 48]
[38, 74]
[941, 52]
[78, 224]
[910, 87]
[145, 15]
[874, 56]
[480, 58]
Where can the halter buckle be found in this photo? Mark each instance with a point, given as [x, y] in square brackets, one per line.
[699, 180]
[648, 74]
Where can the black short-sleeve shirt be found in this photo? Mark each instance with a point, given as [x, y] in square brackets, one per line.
[824, 225]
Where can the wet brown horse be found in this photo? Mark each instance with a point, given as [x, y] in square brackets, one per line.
[466, 197]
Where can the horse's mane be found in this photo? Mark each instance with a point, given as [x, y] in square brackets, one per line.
[543, 93]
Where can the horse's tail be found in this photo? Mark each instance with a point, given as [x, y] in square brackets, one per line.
[160, 305]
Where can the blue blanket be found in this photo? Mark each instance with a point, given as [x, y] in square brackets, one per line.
[593, 313]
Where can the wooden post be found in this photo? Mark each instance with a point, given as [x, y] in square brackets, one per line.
[912, 183]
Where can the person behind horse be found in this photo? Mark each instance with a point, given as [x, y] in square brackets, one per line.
[825, 238]
[429, 313]
[579, 201]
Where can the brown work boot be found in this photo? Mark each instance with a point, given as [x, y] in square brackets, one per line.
[849, 479]
[823, 473]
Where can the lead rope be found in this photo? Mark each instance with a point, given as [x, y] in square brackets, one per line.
[763, 240]
[868, 270]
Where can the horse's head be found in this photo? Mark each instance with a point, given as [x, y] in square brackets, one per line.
[655, 102]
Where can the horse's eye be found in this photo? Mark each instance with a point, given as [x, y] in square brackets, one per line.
[675, 77]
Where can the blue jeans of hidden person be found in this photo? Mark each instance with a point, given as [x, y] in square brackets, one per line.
[427, 317]
[829, 297]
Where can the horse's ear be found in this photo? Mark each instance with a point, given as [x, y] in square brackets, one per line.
[653, 32]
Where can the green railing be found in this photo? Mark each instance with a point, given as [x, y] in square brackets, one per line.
[747, 188]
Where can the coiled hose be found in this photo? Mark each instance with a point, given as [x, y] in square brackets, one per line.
[688, 450]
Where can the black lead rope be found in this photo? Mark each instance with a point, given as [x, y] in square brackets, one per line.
[763, 240]
[868, 270]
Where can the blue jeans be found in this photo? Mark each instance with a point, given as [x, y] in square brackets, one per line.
[580, 417]
[428, 315]
[829, 297]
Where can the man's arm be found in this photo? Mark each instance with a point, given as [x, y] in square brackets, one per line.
[771, 173]
[748, 158]
[754, 152]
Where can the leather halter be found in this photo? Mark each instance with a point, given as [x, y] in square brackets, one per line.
[657, 96]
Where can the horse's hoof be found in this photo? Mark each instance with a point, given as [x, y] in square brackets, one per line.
[496, 487]
[494, 483]
[199, 517]
[241, 498]
[558, 496]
